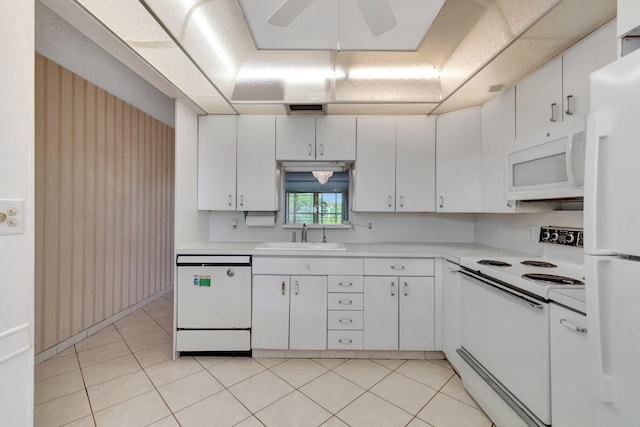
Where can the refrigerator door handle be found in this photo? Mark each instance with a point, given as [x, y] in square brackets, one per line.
[604, 383]
[598, 127]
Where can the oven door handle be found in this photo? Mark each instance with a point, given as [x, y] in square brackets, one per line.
[515, 297]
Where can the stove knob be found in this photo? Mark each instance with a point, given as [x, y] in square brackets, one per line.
[545, 236]
[554, 237]
[570, 237]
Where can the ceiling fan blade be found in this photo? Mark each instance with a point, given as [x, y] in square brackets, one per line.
[288, 11]
[378, 15]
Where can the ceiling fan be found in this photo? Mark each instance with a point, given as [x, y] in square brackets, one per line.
[376, 13]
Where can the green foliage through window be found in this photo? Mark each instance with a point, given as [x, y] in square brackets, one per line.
[308, 202]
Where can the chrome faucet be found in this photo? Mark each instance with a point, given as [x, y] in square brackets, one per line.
[293, 236]
[303, 237]
[324, 236]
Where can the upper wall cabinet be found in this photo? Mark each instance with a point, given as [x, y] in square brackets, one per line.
[498, 135]
[560, 89]
[628, 16]
[395, 167]
[458, 164]
[217, 163]
[237, 164]
[331, 138]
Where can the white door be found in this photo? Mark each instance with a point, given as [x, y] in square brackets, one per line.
[308, 313]
[270, 312]
[217, 163]
[539, 99]
[380, 313]
[375, 179]
[417, 313]
[416, 164]
[613, 292]
[451, 313]
[336, 138]
[612, 207]
[16, 182]
[295, 138]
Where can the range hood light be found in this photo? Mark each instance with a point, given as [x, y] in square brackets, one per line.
[322, 176]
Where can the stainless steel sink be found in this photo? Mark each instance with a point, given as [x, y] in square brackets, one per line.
[305, 246]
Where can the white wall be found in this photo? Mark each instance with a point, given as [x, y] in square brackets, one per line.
[59, 41]
[387, 227]
[191, 225]
[510, 231]
[17, 182]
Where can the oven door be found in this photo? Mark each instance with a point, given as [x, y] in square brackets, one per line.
[507, 333]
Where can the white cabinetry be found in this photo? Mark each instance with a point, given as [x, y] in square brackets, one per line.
[571, 398]
[345, 317]
[217, 163]
[395, 164]
[308, 313]
[257, 184]
[560, 89]
[236, 163]
[458, 165]
[498, 135]
[331, 138]
[628, 16]
[270, 312]
[399, 304]
[451, 313]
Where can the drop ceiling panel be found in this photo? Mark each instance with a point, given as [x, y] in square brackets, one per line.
[380, 109]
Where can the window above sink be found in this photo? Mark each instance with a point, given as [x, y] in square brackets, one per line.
[307, 201]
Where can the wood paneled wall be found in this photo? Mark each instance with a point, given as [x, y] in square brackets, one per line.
[104, 204]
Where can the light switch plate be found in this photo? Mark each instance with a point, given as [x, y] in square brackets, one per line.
[11, 216]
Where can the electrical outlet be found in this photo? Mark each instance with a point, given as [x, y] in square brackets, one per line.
[370, 225]
[11, 216]
[532, 233]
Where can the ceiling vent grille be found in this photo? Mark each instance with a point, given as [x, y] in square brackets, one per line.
[306, 109]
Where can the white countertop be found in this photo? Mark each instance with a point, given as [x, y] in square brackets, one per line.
[572, 298]
[450, 251]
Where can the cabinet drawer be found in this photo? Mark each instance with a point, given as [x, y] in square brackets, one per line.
[398, 267]
[307, 266]
[344, 340]
[345, 284]
[345, 320]
[345, 301]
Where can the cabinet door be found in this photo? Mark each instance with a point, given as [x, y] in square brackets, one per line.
[451, 313]
[380, 313]
[417, 313]
[535, 96]
[217, 163]
[416, 164]
[295, 138]
[308, 313]
[375, 178]
[572, 401]
[458, 166]
[257, 182]
[628, 16]
[270, 312]
[579, 61]
[336, 138]
[498, 135]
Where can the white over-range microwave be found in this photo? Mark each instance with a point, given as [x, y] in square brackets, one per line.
[551, 166]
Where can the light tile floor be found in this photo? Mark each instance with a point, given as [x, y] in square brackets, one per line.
[124, 376]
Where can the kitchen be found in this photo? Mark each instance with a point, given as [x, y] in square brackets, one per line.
[460, 225]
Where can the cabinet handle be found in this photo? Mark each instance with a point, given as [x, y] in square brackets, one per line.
[389, 201]
[441, 202]
[393, 289]
[230, 199]
[451, 270]
[345, 340]
[345, 320]
[321, 149]
[310, 149]
[406, 289]
[241, 200]
[297, 287]
[284, 287]
[553, 112]
[509, 203]
[572, 327]
[402, 201]
[569, 111]
[345, 285]
[345, 302]
[397, 267]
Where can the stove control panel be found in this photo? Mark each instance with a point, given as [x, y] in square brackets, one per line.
[562, 236]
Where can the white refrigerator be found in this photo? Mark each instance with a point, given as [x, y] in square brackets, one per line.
[612, 241]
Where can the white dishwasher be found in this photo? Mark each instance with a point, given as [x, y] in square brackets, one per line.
[213, 302]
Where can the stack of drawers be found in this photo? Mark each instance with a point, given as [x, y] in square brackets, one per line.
[345, 315]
